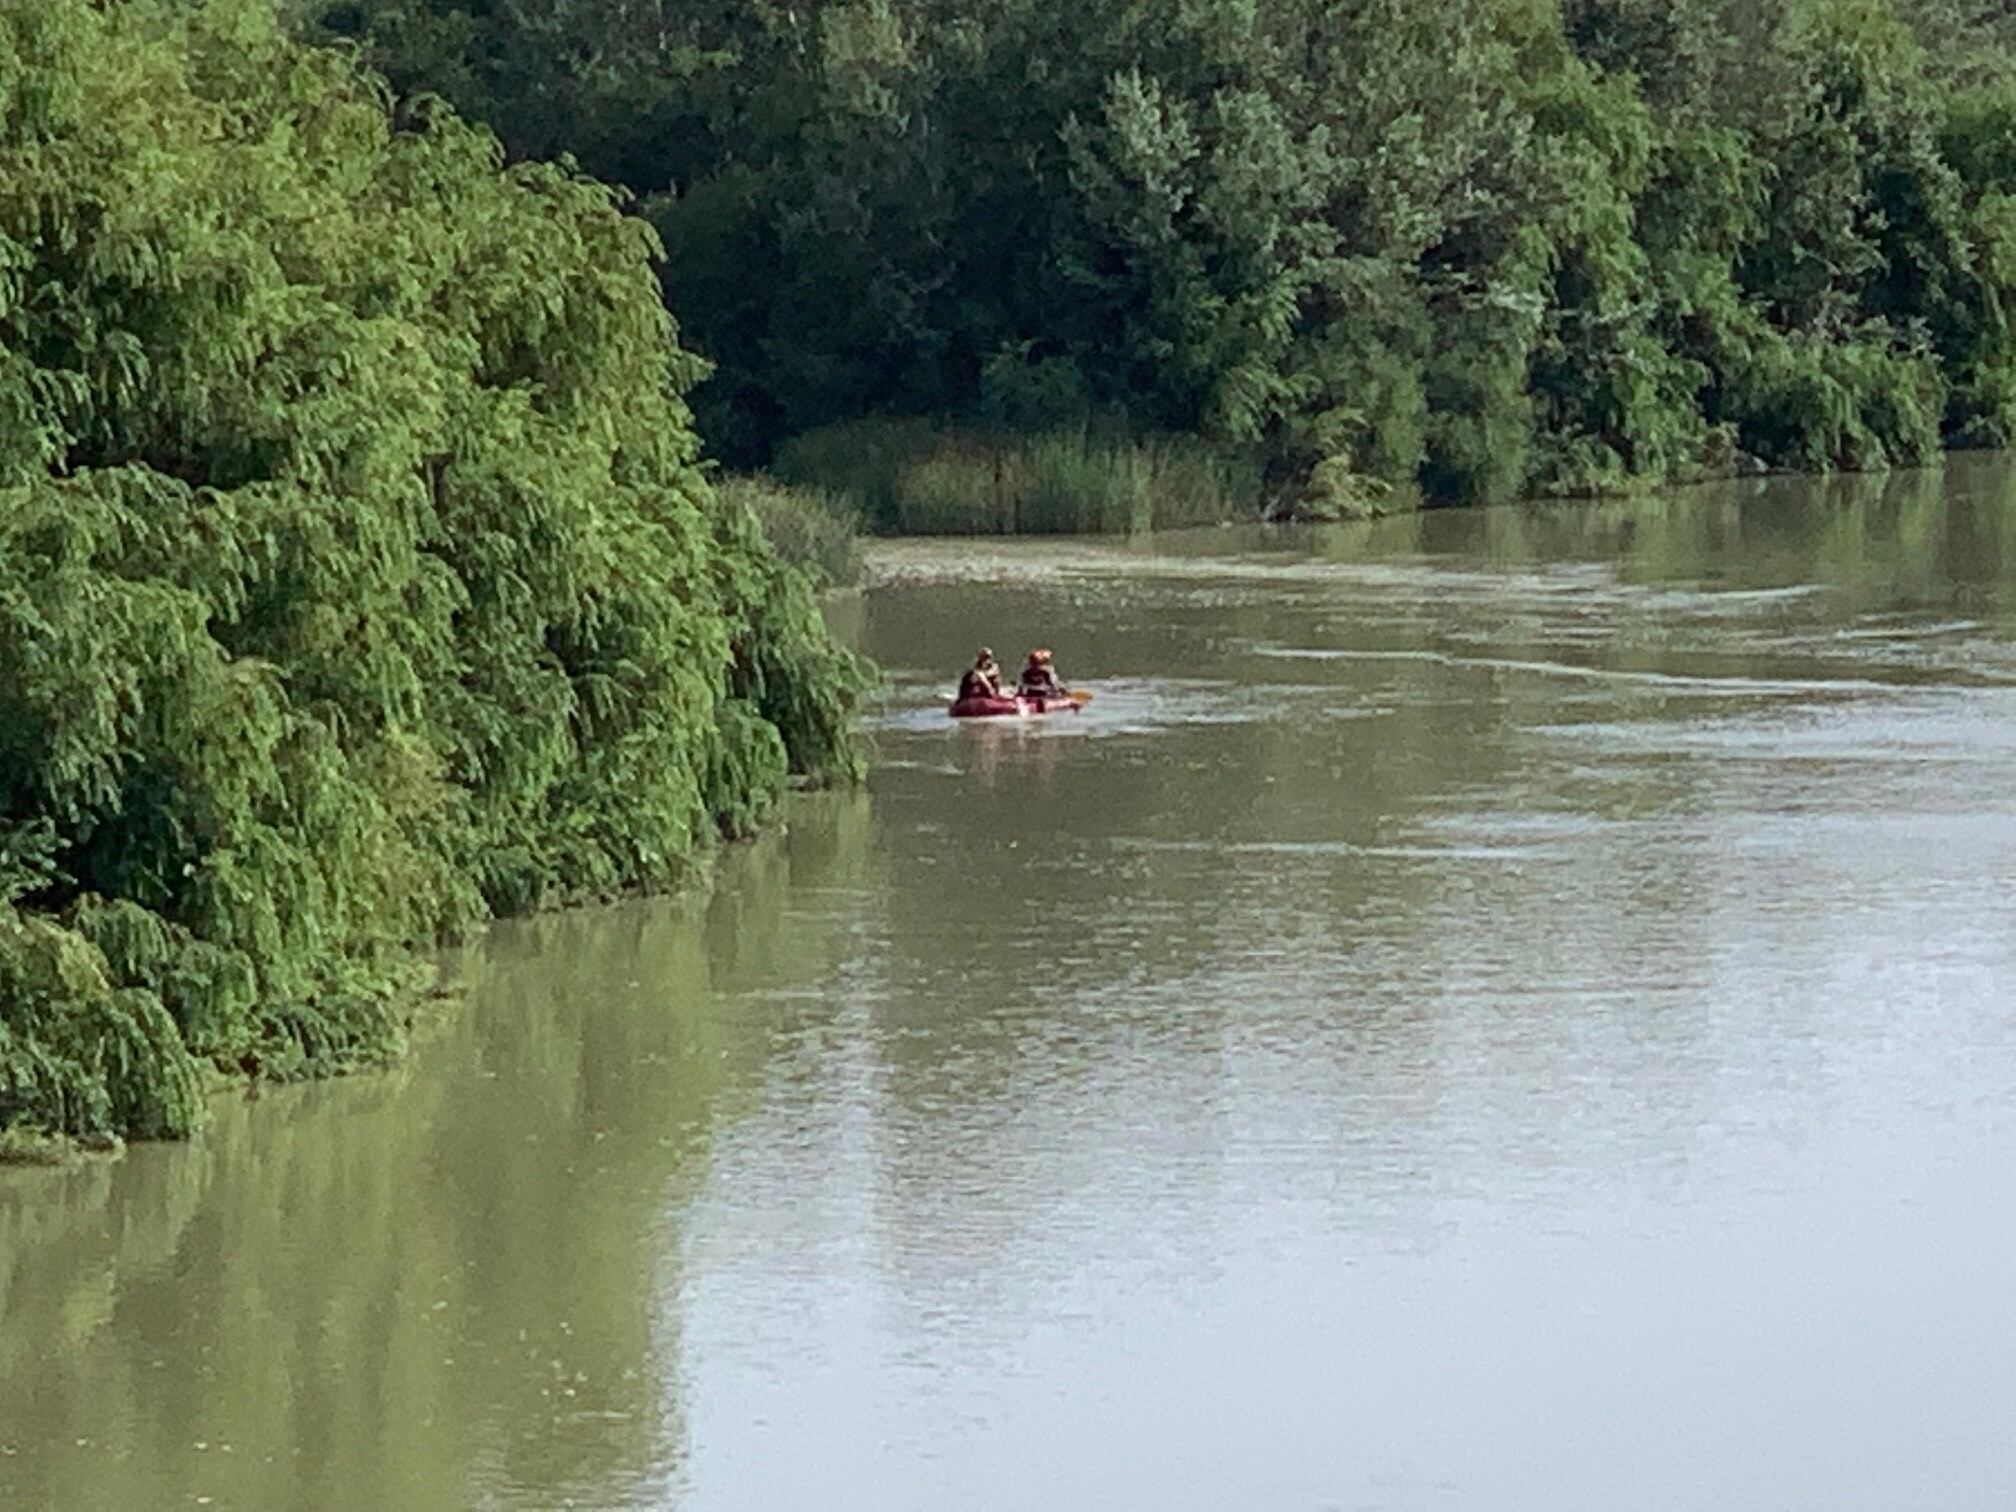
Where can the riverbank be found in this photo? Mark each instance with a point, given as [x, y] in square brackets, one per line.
[837, 489]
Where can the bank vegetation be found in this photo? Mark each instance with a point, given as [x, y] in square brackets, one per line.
[358, 581]
[1370, 251]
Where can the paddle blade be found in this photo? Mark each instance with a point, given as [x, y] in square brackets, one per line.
[1081, 699]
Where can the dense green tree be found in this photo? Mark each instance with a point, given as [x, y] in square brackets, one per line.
[1483, 246]
[357, 579]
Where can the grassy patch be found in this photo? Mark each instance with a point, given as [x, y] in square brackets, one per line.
[811, 527]
[919, 477]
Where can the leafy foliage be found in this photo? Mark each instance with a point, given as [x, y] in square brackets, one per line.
[818, 529]
[1484, 246]
[356, 576]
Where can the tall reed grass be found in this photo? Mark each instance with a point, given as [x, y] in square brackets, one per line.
[815, 528]
[920, 477]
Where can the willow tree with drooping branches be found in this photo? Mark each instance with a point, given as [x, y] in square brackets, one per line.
[358, 580]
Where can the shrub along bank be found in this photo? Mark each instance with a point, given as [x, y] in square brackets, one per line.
[357, 581]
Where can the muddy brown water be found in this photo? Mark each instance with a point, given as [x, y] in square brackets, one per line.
[1505, 1009]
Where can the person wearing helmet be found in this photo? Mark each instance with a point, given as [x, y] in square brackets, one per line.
[1039, 678]
[982, 679]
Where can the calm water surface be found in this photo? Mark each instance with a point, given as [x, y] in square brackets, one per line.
[1510, 1009]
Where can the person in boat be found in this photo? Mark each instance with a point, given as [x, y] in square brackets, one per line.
[982, 679]
[1040, 679]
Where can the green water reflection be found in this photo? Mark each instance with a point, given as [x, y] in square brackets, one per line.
[433, 1289]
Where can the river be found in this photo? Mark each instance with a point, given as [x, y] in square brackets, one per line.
[1493, 1009]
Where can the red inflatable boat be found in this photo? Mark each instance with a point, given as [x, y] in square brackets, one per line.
[1012, 708]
